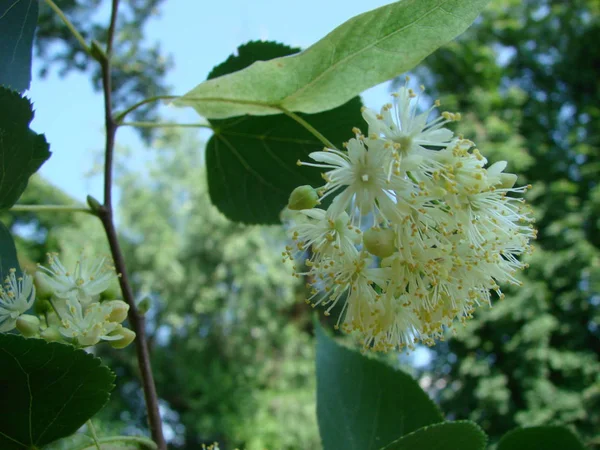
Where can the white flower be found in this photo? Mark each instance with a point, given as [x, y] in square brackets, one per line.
[16, 297]
[401, 124]
[88, 280]
[326, 237]
[359, 177]
[90, 324]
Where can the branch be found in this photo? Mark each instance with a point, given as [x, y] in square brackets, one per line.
[105, 213]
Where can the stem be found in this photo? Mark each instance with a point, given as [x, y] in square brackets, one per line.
[136, 320]
[119, 117]
[93, 433]
[309, 127]
[70, 26]
[164, 125]
[51, 208]
[146, 443]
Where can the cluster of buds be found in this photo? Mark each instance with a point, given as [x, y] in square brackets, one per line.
[74, 312]
[418, 232]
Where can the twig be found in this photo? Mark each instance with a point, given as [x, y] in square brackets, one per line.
[105, 213]
[70, 26]
[165, 125]
[50, 208]
[308, 126]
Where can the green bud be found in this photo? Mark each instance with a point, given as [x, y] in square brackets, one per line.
[119, 310]
[144, 305]
[303, 197]
[28, 325]
[380, 241]
[51, 334]
[128, 337]
[507, 180]
[98, 52]
[43, 289]
[93, 203]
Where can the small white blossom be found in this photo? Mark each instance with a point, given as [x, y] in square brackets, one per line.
[87, 280]
[16, 297]
[88, 325]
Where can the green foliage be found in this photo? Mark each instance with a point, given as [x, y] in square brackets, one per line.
[518, 77]
[363, 403]
[251, 161]
[366, 50]
[443, 436]
[17, 22]
[22, 151]
[48, 390]
[8, 253]
[540, 438]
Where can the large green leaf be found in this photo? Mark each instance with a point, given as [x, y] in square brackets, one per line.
[540, 438]
[363, 404]
[443, 436]
[48, 390]
[364, 51]
[8, 253]
[17, 25]
[22, 151]
[251, 161]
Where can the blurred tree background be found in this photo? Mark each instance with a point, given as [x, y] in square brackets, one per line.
[230, 334]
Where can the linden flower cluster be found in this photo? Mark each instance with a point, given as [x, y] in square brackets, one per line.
[75, 313]
[418, 232]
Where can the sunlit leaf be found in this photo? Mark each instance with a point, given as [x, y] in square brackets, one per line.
[364, 51]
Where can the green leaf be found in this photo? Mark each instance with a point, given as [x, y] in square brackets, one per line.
[48, 390]
[251, 161]
[18, 19]
[8, 253]
[364, 51]
[363, 404]
[463, 435]
[540, 438]
[22, 152]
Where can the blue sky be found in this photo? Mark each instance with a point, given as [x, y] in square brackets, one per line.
[199, 35]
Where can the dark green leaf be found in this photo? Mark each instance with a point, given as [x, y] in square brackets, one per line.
[17, 24]
[8, 253]
[251, 161]
[22, 151]
[364, 404]
[443, 436]
[48, 390]
[540, 438]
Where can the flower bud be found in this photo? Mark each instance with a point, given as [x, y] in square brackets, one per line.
[28, 325]
[51, 334]
[303, 197]
[380, 241]
[127, 338]
[118, 311]
[43, 288]
[507, 180]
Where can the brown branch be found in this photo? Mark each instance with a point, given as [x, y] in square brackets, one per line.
[105, 213]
